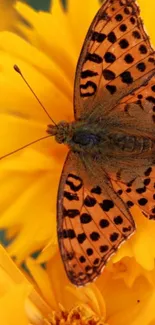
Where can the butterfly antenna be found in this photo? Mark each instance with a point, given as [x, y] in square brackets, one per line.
[23, 147]
[16, 68]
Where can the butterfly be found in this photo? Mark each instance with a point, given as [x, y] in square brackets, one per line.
[110, 166]
[111, 162]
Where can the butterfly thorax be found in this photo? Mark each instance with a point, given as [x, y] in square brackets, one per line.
[80, 136]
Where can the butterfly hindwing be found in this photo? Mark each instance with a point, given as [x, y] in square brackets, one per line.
[141, 104]
[115, 58]
[139, 192]
[92, 223]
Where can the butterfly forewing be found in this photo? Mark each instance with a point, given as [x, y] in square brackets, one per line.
[116, 55]
[92, 223]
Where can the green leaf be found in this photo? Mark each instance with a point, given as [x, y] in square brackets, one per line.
[41, 4]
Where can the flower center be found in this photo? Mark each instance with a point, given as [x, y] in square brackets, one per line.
[79, 315]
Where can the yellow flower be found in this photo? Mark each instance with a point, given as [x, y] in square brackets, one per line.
[51, 299]
[21, 304]
[47, 56]
[8, 14]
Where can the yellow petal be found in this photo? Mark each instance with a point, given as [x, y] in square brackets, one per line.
[140, 244]
[47, 253]
[22, 131]
[80, 15]
[43, 282]
[19, 302]
[46, 80]
[147, 13]
[8, 14]
[127, 305]
[37, 221]
[49, 40]
[12, 306]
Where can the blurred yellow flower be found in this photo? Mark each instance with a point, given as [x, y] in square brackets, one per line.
[50, 299]
[21, 304]
[8, 14]
[47, 56]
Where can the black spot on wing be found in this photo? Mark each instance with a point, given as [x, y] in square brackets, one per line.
[148, 171]
[129, 204]
[120, 192]
[136, 34]
[141, 66]
[151, 99]
[114, 236]
[108, 74]
[93, 57]
[119, 17]
[107, 205]
[126, 77]
[128, 58]
[141, 190]
[94, 236]
[81, 238]
[98, 37]
[147, 181]
[96, 190]
[104, 248]
[126, 229]
[142, 201]
[118, 220]
[132, 20]
[71, 213]
[71, 196]
[89, 251]
[88, 84]
[67, 233]
[111, 88]
[85, 218]
[112, 37]
[88, 73]
[109, 57]
[104, 223]
[74, 182]
[143, 49]
[123, 28]
[123, 44]
[89, 201]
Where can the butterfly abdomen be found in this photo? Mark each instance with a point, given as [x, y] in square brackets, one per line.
[131, 143]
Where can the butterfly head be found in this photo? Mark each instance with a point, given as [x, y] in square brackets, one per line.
[62, 131]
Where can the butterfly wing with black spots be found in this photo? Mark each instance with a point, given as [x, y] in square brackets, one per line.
[116, 58]
[92, 222]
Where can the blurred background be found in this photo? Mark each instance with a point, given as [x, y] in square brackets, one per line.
[41, 4]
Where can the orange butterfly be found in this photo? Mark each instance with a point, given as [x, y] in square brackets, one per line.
[111, 162]
[110, 165]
